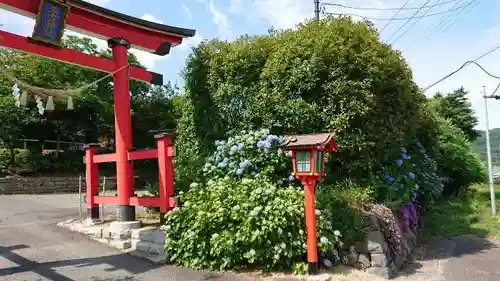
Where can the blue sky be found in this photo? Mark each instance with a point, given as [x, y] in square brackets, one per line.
[433, 47]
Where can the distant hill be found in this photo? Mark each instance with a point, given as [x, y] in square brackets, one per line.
[480, 145]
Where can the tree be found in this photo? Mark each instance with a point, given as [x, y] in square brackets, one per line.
[92, 117]
[345, 81]
[456, 107]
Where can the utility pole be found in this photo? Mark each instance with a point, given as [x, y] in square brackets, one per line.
[316, 9]
[488, 152]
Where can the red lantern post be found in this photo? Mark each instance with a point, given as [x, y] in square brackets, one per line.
[308, 157]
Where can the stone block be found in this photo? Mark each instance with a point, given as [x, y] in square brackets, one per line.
[376, 243]
[120, 244]
[150, 234]
[156, 249]
[120, 226]
[139, 245]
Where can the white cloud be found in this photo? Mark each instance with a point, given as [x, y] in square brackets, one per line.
[151, 18]
[98, 2]
[187, 11]
[221, 20]
[147, 59]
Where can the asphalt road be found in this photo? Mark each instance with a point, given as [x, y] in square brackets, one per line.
[33, 248]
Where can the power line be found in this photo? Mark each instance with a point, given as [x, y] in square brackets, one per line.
[435, 27]
[414, 14]
[387, 9]
[424, 38]
[457, 70]
[395, 15]
[425, 15]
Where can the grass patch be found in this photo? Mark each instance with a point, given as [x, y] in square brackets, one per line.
[468, 214]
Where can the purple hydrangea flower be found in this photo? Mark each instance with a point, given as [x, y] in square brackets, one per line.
[404, 156]
[399, 162]
[389, 178]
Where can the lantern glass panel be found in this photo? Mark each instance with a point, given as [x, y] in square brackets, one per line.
[303, 161]
[318, 159]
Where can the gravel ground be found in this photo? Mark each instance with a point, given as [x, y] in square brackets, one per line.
[32, 248]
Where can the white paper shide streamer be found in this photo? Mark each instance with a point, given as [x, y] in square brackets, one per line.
[16, 95]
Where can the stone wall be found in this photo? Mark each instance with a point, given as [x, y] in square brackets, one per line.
[47, 184]
[375, 255]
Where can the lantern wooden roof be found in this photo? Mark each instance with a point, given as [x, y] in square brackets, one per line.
[320, 141]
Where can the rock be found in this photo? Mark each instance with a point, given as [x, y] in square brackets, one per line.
[376, 242]
[352, 257]
[371, 221]
[399, 261]
[364, 259]
[361, 247]
[379, 260]
[327, 263]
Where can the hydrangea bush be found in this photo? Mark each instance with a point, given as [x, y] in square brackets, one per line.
[231, 223]
[412, 176]
[250, 155]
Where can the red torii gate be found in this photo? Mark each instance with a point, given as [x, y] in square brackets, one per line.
[121, 32]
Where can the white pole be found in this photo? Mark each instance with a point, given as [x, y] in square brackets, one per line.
[488, 152]
[80, 196]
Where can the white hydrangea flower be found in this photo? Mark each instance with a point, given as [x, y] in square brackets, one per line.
[337, 233]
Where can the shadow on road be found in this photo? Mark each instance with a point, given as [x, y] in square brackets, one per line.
[46, 269]
[438, 252]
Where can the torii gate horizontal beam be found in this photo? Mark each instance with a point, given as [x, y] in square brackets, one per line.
[16, 42]
[105, 24]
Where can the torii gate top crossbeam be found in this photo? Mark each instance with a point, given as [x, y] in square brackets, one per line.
[105, 24]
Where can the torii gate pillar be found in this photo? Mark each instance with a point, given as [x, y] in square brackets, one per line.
[123, 129]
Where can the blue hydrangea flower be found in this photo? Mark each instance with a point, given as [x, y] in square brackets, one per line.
[245, 164]
[260, 144]
[399, 162]
[291, 177]
[389, 178]
[404, 156]
[239, 172]
[222, 165]
[411, 175]
[233, 150]
[267, 144]
[218, 158]
[240, 146]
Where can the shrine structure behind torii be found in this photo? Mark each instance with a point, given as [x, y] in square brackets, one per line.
[121, 32]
